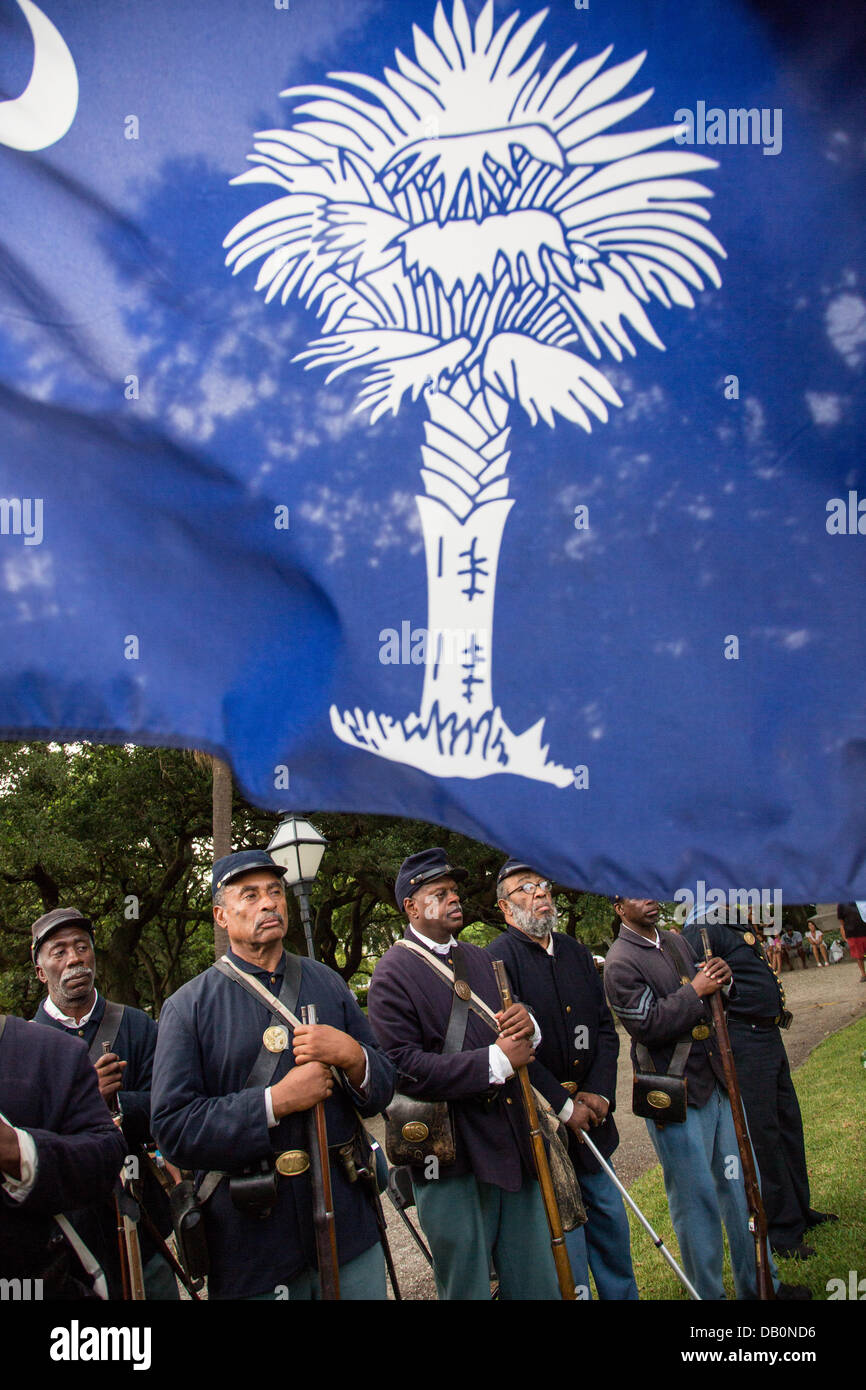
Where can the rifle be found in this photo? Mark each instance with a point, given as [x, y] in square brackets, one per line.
[656, 1239]
[323, 1202]
[131, 1273]
[539, 1153]
[757, 1215]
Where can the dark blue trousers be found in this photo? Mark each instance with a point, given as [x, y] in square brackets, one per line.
[776, 1127]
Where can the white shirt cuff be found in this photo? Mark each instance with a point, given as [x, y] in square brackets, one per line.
[359, 1090]
[565, 1112]
[500, 1069]
[362, 1089]
[20, 1188]
[269, 1109]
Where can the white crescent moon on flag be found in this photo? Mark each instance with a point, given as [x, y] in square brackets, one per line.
[46, 108]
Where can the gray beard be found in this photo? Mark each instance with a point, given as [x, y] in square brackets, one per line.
[539, 927]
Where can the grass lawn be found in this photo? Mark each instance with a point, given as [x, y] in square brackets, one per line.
[831, 1087]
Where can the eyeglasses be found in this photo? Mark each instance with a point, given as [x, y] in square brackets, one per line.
[543, 885]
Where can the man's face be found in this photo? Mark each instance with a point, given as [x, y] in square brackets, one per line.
[435, 909]
[66, 964]
[530, 910]
[253, 911]
[639, 912]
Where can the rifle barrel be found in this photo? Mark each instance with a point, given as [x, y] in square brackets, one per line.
[758, 1218]
[545, 1181]
[323, 1202]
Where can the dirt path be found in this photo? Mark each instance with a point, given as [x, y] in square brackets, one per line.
[822, 1002]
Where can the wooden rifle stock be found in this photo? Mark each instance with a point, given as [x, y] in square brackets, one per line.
[323, 1202]
[129, 1249]
[757, 1215]
[551, 1208]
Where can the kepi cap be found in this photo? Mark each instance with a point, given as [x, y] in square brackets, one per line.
[52, 921]
[513, 866]
[231, 865]
[424, 867]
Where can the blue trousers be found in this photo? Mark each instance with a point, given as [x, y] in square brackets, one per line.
[471, 1224]
[603, 1245]
[704, 1186]
[773, 1113]
[360, 1279]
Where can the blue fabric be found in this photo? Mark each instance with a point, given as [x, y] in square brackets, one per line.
[579, 1041]
[205, 1117]
[572, 494]
[409, 1006]
[48, 1087]
[704, 1185]
[471, 1225]
[360, 1279]
[134, 1043]
[776, 1126]
[607, 1238]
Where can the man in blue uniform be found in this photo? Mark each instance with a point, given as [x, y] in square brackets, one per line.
[58, 1150]
[232, 1088]
[62, 950]
[755, 1014]
[654, 986]
[485, 1205]
[556, 976]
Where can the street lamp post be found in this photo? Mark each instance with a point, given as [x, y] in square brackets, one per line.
[298, 847]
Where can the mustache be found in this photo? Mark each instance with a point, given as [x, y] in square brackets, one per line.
[78, 973]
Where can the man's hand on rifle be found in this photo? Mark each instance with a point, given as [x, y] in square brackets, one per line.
[518, 1050]
[301, 1088]
[319, 1042]
[109, 1075]
[713, 975]
[515, 1022]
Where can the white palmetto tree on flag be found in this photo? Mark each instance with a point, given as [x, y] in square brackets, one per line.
[469, 231]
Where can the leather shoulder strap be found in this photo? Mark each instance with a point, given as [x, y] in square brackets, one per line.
[476, 1004]
[670, 949]
[109, 1027]
[459, 1015]
[2, 1024]
[266, 1062]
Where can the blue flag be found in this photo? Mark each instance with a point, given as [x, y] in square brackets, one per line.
[449, 412]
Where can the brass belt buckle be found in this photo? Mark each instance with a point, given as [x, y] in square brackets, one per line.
[292, 1162]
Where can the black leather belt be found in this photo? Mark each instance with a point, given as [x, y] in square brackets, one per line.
[755, 1022]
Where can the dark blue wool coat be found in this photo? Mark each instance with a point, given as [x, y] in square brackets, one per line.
[48, 1087]
[409, 1008]
[210, 1033]
[135, 1043]
[565, 994]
